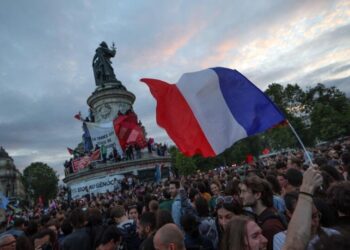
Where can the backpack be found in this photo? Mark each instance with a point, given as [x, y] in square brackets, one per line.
[271, 214]
[207, 228]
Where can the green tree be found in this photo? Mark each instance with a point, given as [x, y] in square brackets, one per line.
[185, 165]
[40, 180]
[330, 112]
[292, 102]
[276, 92]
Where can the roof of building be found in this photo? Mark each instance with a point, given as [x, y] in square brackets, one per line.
[4, 154]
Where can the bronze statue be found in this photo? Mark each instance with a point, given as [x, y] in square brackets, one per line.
[102, 66]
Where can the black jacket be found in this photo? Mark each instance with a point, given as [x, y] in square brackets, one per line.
[79, 239]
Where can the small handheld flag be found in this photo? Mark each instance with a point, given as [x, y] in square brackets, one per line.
[70, 151]
[78, 116]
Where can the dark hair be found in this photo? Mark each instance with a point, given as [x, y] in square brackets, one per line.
[327, 180]
[43, 233]
[163, 217]
[24, 243]
[274, 183]
[332, 171]
[106, 234]
[94, 217]
[166, 193]
[192, 194]
[147, 199]
[320, 161]
[339, 241]
[132, 206]
[148, 219]
[19, 222]
[153, 205]
[45, 219]
[290, 199]
[232, 187]
[201, 187]
[329, 214]
[258, 185]
[176, 183]
[77, 218]
[32, 228]
[66, 227]
[234, 206]
[296, 161]
[282, 174]
[280, 164]
[202, 207]
[294, 177]
[339, 196]
[53, 222]
[190, 225]
[345, 157]
[117, 212]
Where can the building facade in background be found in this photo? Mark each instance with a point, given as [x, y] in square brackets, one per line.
[10, 178]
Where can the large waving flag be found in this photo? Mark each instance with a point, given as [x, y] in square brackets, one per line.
[129, 131]
[209, 110]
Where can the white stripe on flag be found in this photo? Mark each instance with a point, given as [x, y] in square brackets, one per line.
[202, 92]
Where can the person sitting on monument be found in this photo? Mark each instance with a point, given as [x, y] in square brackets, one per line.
[116, 156]
[129, 152]
[67, 167]
[110, 157]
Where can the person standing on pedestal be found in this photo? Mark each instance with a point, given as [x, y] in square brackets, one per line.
[104, 153]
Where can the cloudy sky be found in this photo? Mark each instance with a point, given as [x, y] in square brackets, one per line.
[46, 50]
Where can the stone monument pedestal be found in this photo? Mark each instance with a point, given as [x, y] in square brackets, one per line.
[106, 102]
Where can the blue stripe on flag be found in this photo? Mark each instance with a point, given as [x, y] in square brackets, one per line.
[248, 104]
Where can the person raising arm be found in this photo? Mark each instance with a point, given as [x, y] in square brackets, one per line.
[299, 229]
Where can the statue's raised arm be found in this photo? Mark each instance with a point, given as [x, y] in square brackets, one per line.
[102, 65]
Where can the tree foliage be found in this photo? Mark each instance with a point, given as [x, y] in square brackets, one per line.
[40, 180]
[183, 164]
[318, 114]
[330, 112]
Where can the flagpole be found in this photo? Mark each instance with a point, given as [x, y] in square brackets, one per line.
[300, 141]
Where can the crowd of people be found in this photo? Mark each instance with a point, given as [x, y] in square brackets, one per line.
[280, 202]
[132, 152]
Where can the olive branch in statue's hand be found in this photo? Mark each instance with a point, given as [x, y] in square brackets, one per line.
[113, 45]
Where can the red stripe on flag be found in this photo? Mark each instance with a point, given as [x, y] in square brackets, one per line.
[176, 117]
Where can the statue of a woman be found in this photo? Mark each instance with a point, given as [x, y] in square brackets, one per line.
[102, 65]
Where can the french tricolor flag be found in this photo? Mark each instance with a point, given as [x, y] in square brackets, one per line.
[209, 110]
